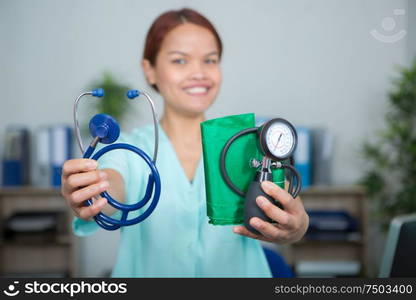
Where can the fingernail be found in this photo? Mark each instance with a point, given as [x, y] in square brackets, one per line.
[255, 222]
[103, 175]
[261, 201]
[102, 202]
[267, 185]
[104, 185]
[91, 164]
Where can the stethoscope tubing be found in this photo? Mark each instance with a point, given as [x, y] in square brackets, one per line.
[154, 176]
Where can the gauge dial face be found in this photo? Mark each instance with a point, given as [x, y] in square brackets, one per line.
[280, 139]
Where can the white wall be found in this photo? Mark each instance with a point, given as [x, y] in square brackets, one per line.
[411, 29]
[312, 62]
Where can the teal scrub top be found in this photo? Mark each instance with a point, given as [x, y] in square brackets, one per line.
[176, 240]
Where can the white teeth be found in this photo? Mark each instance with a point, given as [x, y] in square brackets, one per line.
[196, 90]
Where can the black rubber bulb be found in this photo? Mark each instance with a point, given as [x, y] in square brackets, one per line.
[251, 209]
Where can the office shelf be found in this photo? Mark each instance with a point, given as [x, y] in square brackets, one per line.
[37, 253]
[350, 199]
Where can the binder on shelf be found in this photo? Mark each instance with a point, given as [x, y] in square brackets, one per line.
[60, 150]
[16, 156]
[41, 165]
[303, 155]
[322, 152]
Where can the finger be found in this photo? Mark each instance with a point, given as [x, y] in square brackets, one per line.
[242, 230]
[88, 192]
[87, 212]
[78, 165]
[275, 213]
[267, 229]
[279, 194]
[78, 180]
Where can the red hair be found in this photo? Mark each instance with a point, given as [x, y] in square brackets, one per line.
[168, 21]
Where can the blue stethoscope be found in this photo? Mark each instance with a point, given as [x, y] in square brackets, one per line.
[104, 129]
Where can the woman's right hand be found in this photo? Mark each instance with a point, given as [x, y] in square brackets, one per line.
[81, 181]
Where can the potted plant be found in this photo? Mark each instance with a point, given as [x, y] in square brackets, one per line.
[390, 181]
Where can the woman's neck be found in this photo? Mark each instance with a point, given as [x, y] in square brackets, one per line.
[185, 135]
[182, 128]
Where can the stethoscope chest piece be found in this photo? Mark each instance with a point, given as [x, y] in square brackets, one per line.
[104, 127]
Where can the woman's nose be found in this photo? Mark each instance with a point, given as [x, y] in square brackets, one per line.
[197, 71]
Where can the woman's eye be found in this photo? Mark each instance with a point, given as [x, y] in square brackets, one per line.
[179, 61]
[211, 61]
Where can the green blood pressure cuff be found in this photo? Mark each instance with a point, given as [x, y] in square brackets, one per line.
[224, 207]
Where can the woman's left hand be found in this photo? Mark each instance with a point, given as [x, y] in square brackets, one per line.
[292, 222]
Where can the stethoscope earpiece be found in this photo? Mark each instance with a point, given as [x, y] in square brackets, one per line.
[131, 94]
[98, 92]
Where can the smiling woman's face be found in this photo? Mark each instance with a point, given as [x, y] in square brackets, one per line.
[187, 71]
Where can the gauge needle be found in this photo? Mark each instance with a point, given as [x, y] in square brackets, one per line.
[278, 140]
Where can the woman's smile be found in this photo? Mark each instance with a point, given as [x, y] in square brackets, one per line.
[197, 90]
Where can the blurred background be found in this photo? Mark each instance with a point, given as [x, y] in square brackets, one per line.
[342, 71]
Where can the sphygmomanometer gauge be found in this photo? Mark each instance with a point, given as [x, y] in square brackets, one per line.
[278, 139]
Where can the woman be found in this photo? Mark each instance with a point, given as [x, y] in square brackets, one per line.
[182, 62]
